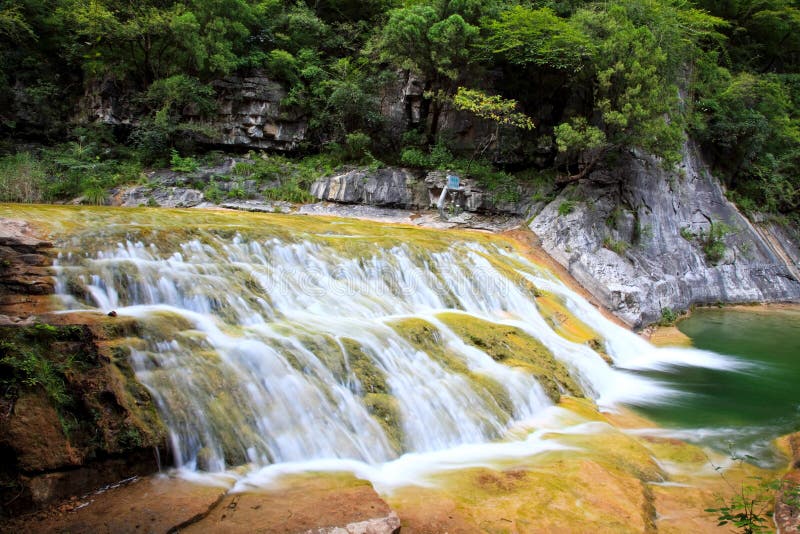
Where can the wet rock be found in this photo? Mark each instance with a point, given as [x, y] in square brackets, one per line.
[81, 420]
[628, 236]
[318, 504]
[153, 504]
[25, 276]
[382, 525]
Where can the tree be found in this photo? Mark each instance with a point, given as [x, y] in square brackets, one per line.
[436, 40]
[578, 139]
[526, 36]
[501, 111]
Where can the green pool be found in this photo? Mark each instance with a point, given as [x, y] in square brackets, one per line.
[749, 407]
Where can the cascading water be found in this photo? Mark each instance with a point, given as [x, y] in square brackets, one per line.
[267, 349]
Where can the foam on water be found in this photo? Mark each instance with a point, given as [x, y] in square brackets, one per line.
[263, 374]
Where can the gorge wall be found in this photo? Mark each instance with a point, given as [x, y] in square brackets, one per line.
[642, 240]
[72, 415]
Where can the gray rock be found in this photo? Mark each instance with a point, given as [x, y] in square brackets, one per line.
[165, 197]
[250, 114]
[623, 241]
[401, 189]
[259, 206]
[384, 187]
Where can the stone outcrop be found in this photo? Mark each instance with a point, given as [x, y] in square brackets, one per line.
[401, 188]
[72, 415]
[635, 235]
[250, 114]
[25, 277]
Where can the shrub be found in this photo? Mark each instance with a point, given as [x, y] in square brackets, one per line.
[714, 241]
[566, 207]
[179, 164]
[619, 247]
[668, 317]
[357, 145]
[22, 178]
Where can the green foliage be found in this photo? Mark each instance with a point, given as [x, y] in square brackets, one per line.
[566, 207]
[180, 164]
[632, 94]
[357, 146]
[212, 192]
[618, 247]
[750, 123]
[523, 36]
[749, 505]
[24, 363]
[713, 241]
[492, 107]
[94, 193]
[22, 178]
[669, 317]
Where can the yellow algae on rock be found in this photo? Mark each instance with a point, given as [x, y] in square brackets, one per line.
[511, 346]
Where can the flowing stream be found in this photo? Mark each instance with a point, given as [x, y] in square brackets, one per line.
[295, 341]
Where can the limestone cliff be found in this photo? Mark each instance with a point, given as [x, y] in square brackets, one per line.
[642, 240]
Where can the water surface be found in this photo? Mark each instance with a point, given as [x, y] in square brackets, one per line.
[755, 404]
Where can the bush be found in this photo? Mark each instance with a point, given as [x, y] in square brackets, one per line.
[22, 178]
[179, 164]
[713, 242]
[566, 207]
[668, 317]
[619, 247]
[357, 145]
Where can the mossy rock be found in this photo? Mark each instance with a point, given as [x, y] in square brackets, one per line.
[512, 346]
[386, 410]
[426, 338]
[371, 377]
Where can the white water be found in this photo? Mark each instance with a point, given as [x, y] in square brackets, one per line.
[247, 353]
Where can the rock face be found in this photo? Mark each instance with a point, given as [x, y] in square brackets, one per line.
[400, 188]
[25, 281]
[72, 415]
[638, 239]
[250, 114]
[384, 187]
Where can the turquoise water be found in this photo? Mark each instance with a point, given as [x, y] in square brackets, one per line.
[747, 407]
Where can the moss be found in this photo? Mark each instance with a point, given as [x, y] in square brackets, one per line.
[371, 377]
[386, 410]
[376, 393]
[563, 322]
[511, 346]
[425, 337]
[495, 391]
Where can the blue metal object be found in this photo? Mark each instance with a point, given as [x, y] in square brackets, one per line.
[453, 182]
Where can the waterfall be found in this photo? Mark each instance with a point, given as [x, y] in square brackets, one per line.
[270, 349]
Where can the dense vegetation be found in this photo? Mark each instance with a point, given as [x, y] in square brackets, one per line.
[565, 84]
